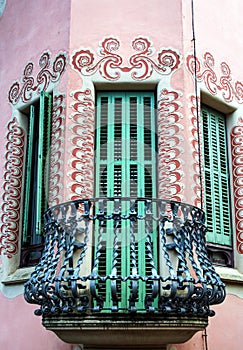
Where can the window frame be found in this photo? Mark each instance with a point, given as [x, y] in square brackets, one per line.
[125, 254]
[220, 254]
[38, 118]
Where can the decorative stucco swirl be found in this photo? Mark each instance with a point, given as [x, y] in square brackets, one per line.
[205, 72]
[110, 64]
[195, 180]
[57, 150]
[82, 139]
[170, 172]
[49, 72]
[237, 163]
[12, 186]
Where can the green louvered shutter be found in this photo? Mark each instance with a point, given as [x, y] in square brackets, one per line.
[37, 169]
[217, 194]
[43, 156]
[28, 174]
[125, 167]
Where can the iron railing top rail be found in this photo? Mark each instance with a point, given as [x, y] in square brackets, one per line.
[166, 270]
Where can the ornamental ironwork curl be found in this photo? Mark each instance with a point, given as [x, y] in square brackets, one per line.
[176, 277]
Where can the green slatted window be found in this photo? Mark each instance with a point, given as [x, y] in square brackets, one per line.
[36, 176]
[125, 167]
[217, 194]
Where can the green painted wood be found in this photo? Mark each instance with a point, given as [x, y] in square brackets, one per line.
[125, 167]
[37, 169]
[217, 194]
[44, 140]
[28, 174]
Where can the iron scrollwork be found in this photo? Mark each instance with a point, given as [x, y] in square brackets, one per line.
[81, 261]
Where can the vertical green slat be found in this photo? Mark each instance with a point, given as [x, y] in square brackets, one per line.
[43, 149]
[125, 227]
[28, 174]
[110, 192]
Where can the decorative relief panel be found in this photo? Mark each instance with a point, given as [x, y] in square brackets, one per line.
[12, 189]
[49, 72]
[82, 138]
[196, 182]
[205, 71]
[110, 64]
[57, 147]
[237, 162]
[170, 173]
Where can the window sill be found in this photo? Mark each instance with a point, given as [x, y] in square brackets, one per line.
[232, 278]
[19, 276]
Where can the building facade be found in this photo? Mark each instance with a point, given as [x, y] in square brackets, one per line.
[127, 102]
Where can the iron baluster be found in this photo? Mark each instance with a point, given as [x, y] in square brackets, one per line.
[184, 283]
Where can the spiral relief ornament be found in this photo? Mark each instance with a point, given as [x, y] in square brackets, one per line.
[12, 187]
[57, 150]
[49, 72]
[83, 60]
[110, 64]
[237, 164]
[169, 146]
[82, 138]
[205, 72]
[196, 181]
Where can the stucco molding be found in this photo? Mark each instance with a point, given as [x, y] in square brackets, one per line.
[49, 72]
[169, 145]
[12, 189]
[195, 175]
[217, 84]
[110, 64]
[57, 150]
[236, 138]
[82, 140]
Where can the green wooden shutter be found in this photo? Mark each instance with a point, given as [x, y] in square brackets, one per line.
[43, 155]
[125, 144]
[37, 168]
[28, 175]
[125, 167]
[217, 195]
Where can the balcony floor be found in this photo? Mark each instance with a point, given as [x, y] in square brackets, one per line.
[118, 331]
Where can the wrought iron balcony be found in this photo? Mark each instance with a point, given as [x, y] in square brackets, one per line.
[120, 263]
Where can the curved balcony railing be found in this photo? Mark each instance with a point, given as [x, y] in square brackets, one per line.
[124, 255]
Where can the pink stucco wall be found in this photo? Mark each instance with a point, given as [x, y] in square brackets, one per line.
[218, 30]
[224, 330]
[126, 19]
[20, 329]
[27, 29]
